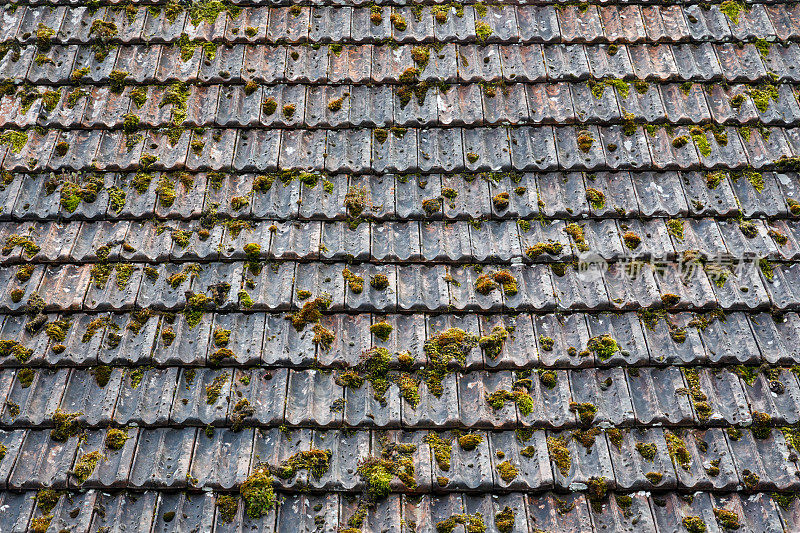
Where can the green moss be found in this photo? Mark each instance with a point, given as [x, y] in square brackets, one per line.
[46, 500]
[450, 346]
[473, 523]
[214, 389]
[603, 346]
[677, 450]
[86, 466]
[227, 507]
[469, 441]
[575, 231]
[732, 8]
[701, 141]
[727, 519]
[646, 450]
[397, 21]
[16, 139]
[482, 31]
[596, 492]
[694, 524]
[675, 228]
[196, 304]
[382, 330]
[66, 425]
[116, 438]
[317, 462]
[559, 454]
[442, 450]
[585, 411]
[595, 198]
[550, 247]
[631, 240]
[377, 475]
[40, 524]
[493, 343]
[354, 281]
[508, 472]
[257, 492]
[209, 10]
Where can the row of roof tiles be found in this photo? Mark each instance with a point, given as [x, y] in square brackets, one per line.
[725, 62]
[361, 106]
[185, 396]
[391, 242]
[407, 150]
[525, 23]
[721, 282]
[187, 457]
[158, 511]
[545, 340]
[395, 197]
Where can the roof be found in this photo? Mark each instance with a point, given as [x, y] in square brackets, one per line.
[399, 267]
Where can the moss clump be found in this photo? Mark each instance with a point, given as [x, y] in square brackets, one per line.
[595, 198]
[677, 450]
[548, 378]
[732, 8]
[694, 524]
[647, 451]
[196, 304]
[24, 242]
[323, 337]
[493, 343]
[25, 377]
[379, 282]
[257, 492]
[354, 281]
[501, 201]
[507, 471]
[559, 454]
[727, 519]
[288, 110]
[397, 21]
[66, 425]
[482, 30]
[222, 337]
[102, 374]
[631, 239]
[585, 411]
[46, 500]
[442, 450]
[473, 523]
[575, 231]
[214, 389]
[761, 425]
[115, 438]
[675, 228]
[269, 106]
[227, 506]
[381, 134]
[86, 465]
[317, 462]
[469, 441]
[450, 346]
[603, 346]
[654, 477]
[40, 524]
[310, 312]
[377, 475]
[519, 396]
[585, 141]
[551, 247]
[504, 520]
[596, 492]
[700, 140]
[382, 330]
